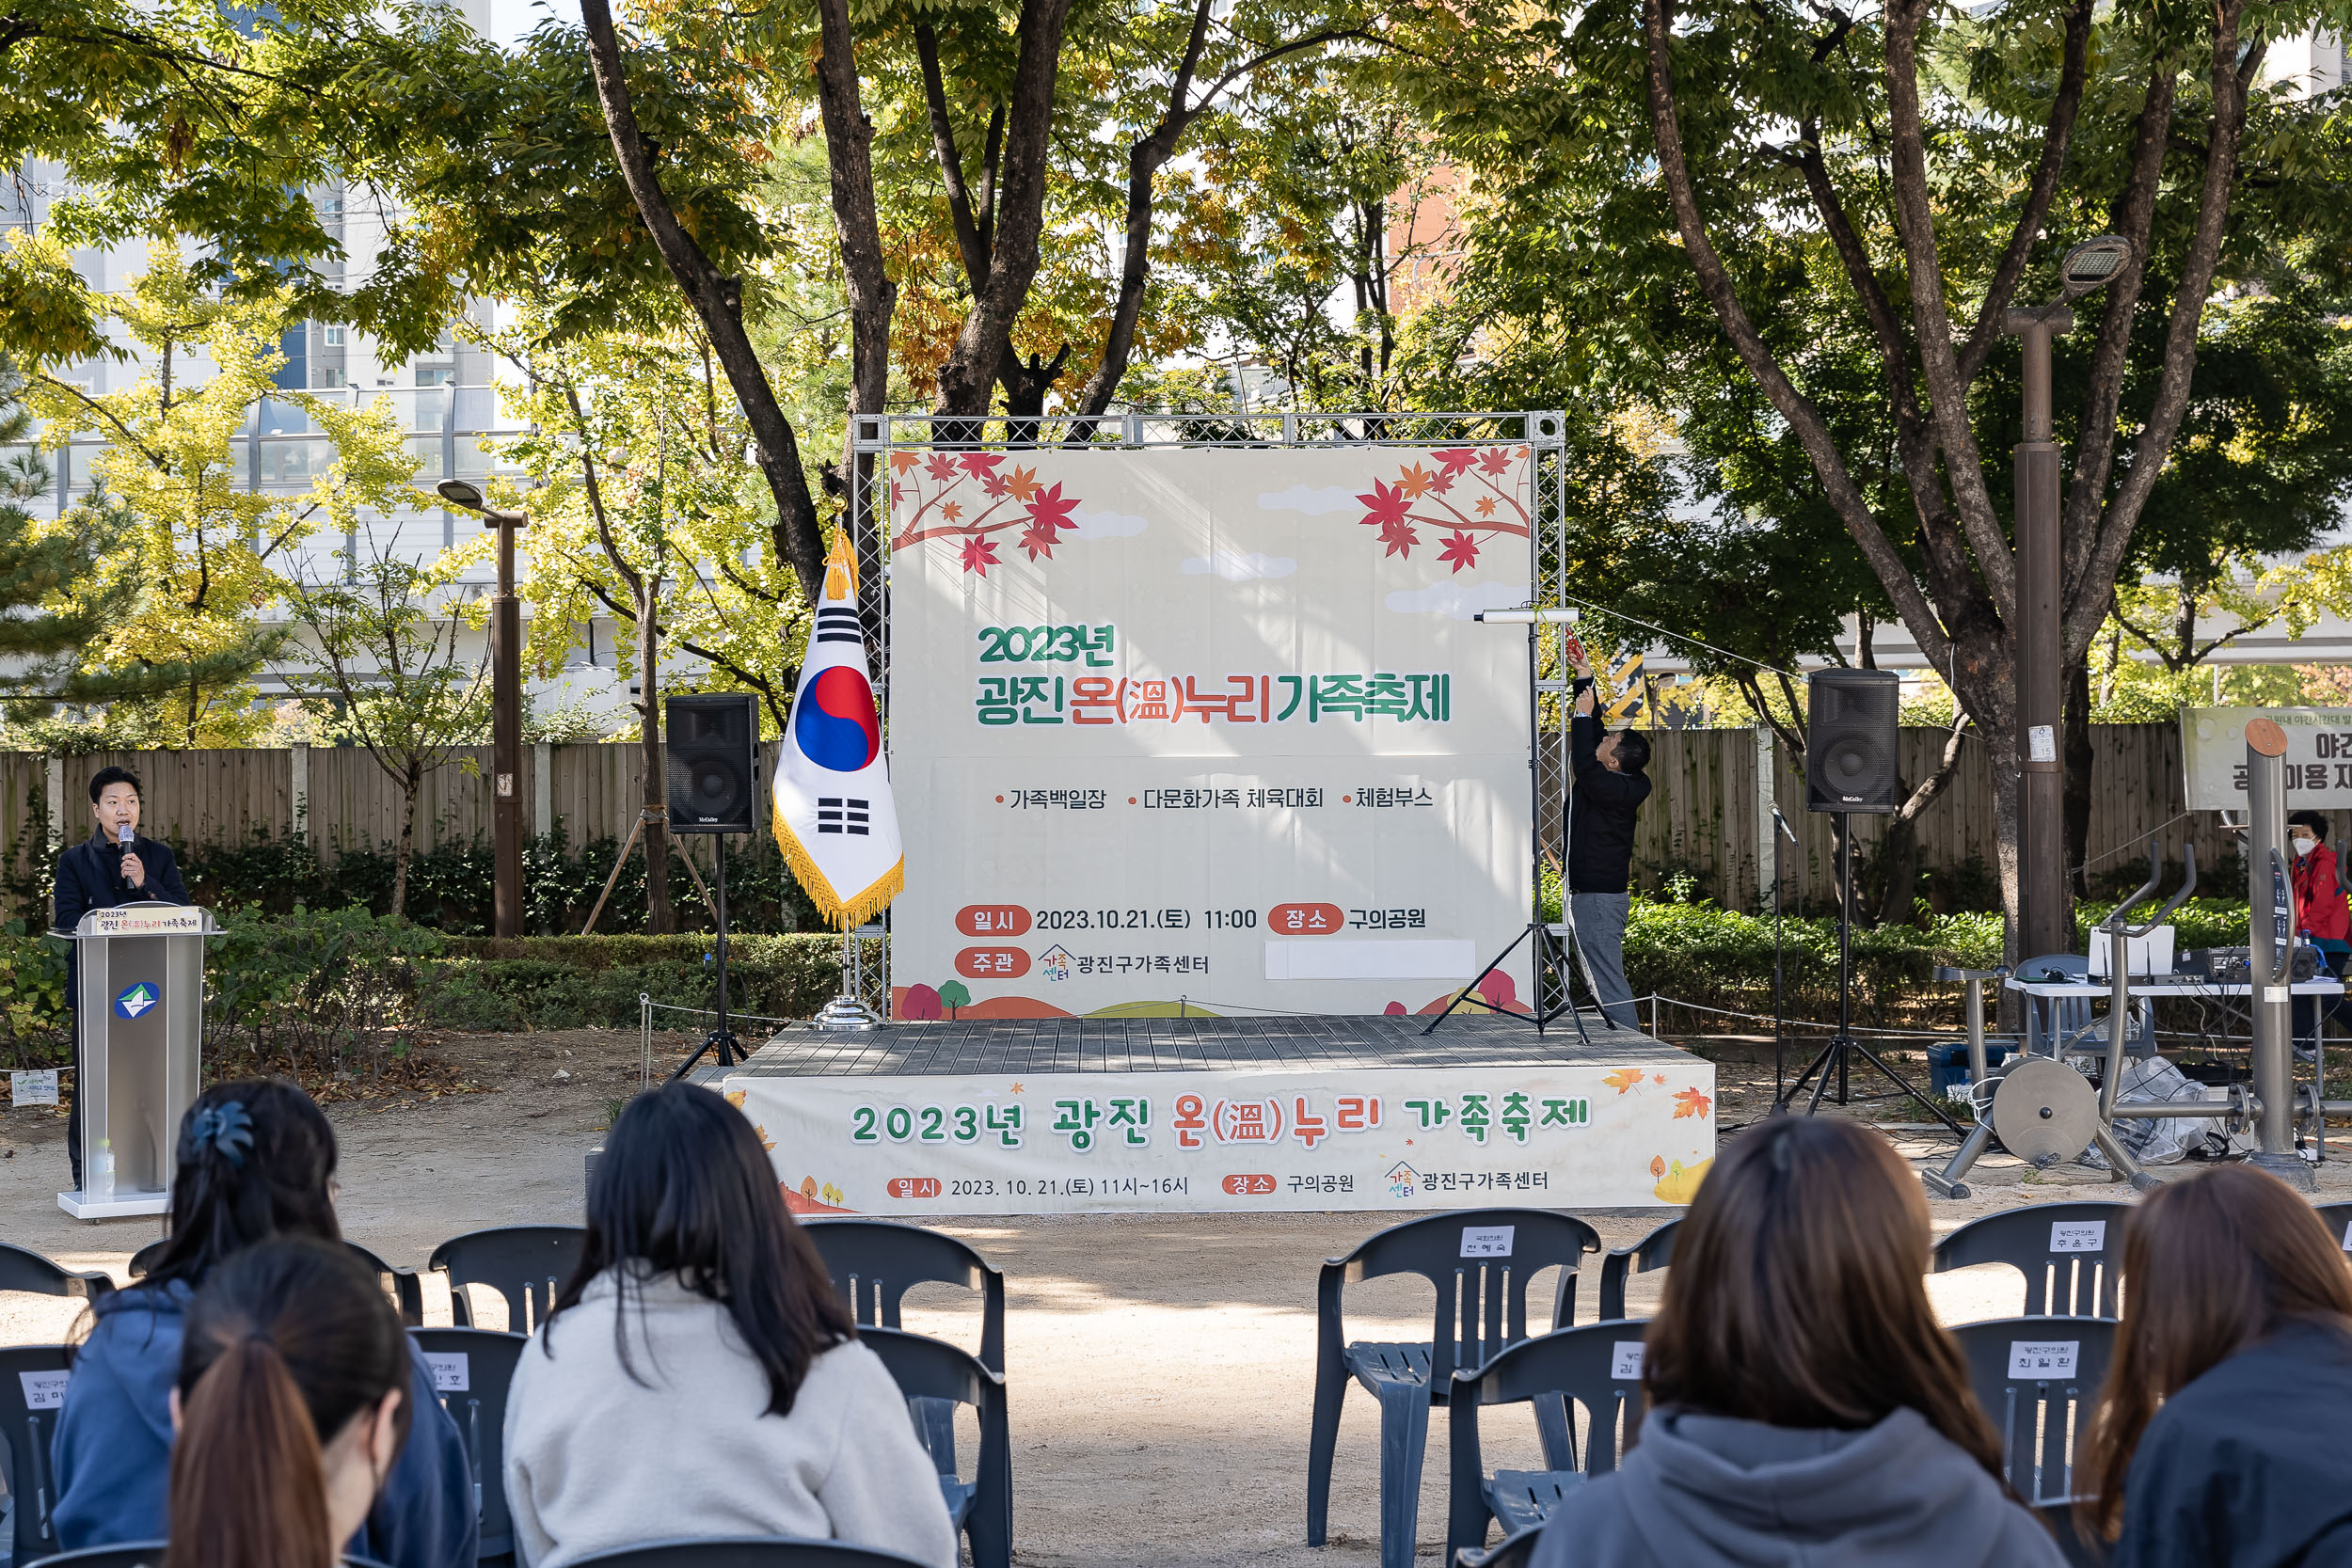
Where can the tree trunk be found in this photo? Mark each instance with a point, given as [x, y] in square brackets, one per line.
[2079, 759]
[412, 784]
[658, 917]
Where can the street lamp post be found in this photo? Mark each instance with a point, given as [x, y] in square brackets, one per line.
[2045, 921]
[507, 714]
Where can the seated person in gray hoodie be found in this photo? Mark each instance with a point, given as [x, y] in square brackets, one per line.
[1806, 1407]
[2224, 1437]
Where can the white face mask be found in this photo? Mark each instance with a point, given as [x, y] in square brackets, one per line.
[2305, 846]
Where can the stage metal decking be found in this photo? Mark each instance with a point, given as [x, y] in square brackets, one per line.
[1185, 1045]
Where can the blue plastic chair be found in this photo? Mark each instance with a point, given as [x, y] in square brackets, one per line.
[22, 1269]
[145, 1554]
[875, 1262]
[1598, 1367]
[1653, 1251]
[479, 1409]
[2076, 1280]
[1483, 1258]
[2082, 1550]
[2038, 1378]
[773, 1551]
[526, 1264]
[1518, 1551]
[29, 1433]
[927, 1369]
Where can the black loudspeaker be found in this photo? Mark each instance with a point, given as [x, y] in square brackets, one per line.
[1849, 740]
[713, 774]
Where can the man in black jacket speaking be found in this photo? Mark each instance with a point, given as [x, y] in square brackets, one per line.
[1610, 788]
[115, 865]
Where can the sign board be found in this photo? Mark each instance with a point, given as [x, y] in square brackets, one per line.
[2044, 1359]
[1545, 1137]
[146, 920]
[36, 1087]
[1191, 731]
[2318, 759]
[452, 1370]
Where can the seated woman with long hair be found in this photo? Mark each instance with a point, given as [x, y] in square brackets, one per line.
[2224, 1433]
[698, 1375]
[256, 1161]
[291, 1405]
[1805, 1406]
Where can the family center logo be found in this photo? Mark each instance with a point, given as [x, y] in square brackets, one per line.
[136, 999]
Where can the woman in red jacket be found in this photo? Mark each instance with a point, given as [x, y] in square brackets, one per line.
[2322, 917]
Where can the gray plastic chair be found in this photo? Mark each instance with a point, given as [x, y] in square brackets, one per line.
[29, 1433]
[1486, 1257]
[773, 1551]
[2337, 1217]
[1653, 1251]
[1518, 1551]
[480, 1411]
[2076, 1282]
[926, 1369]
[526, 1264]
[875, 1262]
[125, 1554]
[22, 1269]
[2038, 1378]
[400, 1285]
[1598, 1367]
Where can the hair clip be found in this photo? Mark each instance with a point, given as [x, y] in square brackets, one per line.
[225, 1127]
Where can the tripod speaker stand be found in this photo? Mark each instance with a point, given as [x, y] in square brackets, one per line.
[712, 778]
[1843, 1046]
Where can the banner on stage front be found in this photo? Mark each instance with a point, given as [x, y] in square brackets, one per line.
[1545, 1137]
[1209, 729]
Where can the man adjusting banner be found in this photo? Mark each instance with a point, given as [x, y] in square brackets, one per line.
[836, 821]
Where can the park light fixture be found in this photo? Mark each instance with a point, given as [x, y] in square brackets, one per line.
[2094, 263]
[506, 712]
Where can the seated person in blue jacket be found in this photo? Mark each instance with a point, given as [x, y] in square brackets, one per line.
[256, 1160]
[114, 866]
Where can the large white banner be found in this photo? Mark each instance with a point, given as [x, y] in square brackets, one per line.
[2318, 759]
[1547, 1136]
[1207, 729]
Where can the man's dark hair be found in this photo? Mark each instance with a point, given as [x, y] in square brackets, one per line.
[1632, 750]
[2311, 819]
[104, 776]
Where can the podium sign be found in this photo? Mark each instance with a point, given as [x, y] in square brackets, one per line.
[140, 1014]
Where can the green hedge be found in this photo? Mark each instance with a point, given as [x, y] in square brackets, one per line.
[481, 983]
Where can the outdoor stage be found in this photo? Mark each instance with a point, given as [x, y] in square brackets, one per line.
[1106, 1114]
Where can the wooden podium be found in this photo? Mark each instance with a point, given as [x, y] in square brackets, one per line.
[139, 1011]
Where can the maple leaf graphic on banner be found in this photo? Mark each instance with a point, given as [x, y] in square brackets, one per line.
[1455, 460]
[1387, 504]
[1624, 1078]
[979, 555]
[1038, 539]
[1691, 1103]
[1460, 548]
[1023, 483]
[1400, 538]
[1049, 511]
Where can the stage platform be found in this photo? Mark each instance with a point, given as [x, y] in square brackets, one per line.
[1003, 1115]
[1185, 1045]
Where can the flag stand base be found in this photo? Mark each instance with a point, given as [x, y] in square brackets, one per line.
[846, 1012]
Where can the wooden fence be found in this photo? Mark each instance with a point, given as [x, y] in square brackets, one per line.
[1701, 819]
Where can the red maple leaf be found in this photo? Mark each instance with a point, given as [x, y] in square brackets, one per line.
[940, 466]
[1460, 548]
[981, 462]
[1038, 539]
[1691, 1103]
[979, 555]
[1494, 460]
[991, 484]
[1455, 460]
[1049, 511]
[1386, 507]
[1399, 536]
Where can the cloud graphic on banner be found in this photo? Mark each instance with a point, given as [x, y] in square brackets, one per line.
[1314, 501]
[1235, 567]
[1106, 525]
[1457, 601]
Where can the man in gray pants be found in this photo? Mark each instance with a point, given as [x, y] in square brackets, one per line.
[1610, 788]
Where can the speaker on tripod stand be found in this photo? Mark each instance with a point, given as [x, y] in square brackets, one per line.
[1852, 727]
[713, 779]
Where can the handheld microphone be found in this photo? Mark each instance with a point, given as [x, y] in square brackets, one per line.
[122, 834]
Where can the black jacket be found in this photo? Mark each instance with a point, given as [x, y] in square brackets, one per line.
[2251, 1465]
[90, 877]
[1600, 814]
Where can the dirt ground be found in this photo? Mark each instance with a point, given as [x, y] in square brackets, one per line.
[1160, 1367]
